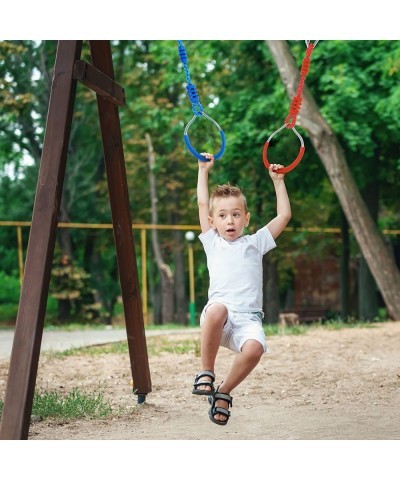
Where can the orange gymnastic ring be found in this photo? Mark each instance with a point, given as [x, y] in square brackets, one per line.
[295, 162]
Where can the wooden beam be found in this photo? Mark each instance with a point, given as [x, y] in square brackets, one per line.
[121, 217]
[35, 287]
[99, 82]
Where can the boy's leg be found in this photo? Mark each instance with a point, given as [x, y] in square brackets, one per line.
[211, 334]
[244, 363]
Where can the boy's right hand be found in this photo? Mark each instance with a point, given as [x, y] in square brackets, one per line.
[209, 164]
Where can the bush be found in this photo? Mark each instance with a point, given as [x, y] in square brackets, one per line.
[10, 289]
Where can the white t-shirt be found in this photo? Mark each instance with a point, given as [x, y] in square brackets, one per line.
[235, 268]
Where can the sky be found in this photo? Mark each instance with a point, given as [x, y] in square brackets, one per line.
[200, 19]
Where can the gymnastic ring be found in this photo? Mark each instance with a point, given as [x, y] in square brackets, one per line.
[193, 151]
[295, 162]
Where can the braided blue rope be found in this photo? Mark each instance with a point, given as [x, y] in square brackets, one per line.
[197, 108]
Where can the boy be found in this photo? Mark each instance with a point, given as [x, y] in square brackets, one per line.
[233, 314]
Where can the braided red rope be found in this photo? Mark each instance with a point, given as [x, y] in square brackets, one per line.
[294, 110]
[297, 99]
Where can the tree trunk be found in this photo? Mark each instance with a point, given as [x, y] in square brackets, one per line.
[271, 305]
[344, 269]
[166, 276]
[371, 242]
[180, 282]
[368, 306]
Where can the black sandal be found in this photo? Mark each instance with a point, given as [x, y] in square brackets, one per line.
[214, 410]
[208, 383]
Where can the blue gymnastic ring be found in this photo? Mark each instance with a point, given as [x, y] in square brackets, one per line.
[193, 151]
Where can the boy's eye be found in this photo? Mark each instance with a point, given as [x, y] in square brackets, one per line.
[236, 214]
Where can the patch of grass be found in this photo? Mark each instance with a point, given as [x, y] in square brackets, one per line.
[339, 323]
[169, 326]
[330, 324]
[115, 347]
[163, 344]
[75, 404]
[271, 330]
[155, 346]
[75, 326]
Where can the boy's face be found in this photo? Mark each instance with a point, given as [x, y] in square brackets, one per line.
[229, 217]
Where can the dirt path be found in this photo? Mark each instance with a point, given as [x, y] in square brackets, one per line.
[337, 385]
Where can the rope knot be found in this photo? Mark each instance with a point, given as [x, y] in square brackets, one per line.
[305, 67]
[182, 54]
[194, 98]
[293, 111]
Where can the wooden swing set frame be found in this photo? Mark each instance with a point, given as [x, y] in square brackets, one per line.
[99, 77]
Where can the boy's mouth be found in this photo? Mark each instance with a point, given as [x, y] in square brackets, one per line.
[230, 230]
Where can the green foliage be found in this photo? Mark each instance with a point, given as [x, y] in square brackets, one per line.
[9, 298]
[8, 314]
[10, 289]
[355, 84]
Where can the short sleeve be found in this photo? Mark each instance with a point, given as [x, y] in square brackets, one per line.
[207, 239]
[263, 240]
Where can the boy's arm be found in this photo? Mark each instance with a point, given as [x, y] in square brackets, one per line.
[283, 211]
[202, 192]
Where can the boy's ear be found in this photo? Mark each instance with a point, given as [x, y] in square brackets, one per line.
[247, 218]
[211, 222]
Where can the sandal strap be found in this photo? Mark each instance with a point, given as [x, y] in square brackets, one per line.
[205, 373]
[220, 410]
[204, 383]
[223, 396]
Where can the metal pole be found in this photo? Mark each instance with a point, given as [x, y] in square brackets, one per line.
[144, 275]
[192, 305]
[20, 256]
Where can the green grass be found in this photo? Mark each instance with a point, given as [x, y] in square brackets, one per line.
[331, 324]
[155, 346]
[73, 405]
[273, 329]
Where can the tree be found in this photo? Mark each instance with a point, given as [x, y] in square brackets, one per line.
[166, 275]
[375, 251]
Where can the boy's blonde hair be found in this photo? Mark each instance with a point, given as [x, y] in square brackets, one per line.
[226, 190]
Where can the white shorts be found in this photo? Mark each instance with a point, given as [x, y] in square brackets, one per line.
[239, 327]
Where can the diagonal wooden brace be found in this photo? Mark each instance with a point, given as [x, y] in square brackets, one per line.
[99, 82]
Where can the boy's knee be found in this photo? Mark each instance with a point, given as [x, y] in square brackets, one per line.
[217, 312]
[253, 349]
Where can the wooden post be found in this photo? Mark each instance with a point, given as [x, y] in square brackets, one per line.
[123, 236]
[35, 286]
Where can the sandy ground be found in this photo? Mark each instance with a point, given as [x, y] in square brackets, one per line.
[324, 385]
